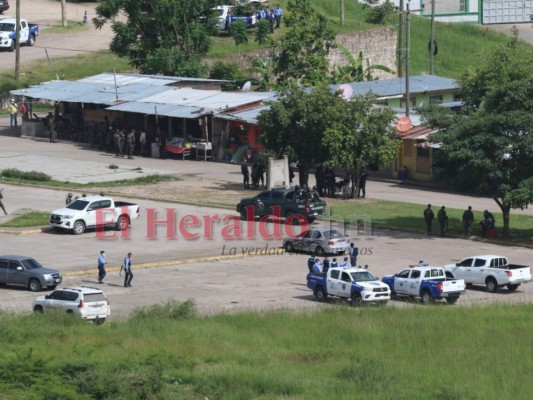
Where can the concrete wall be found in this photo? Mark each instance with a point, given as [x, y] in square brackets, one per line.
[378, 47]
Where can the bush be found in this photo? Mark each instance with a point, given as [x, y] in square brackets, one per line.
[26, 176]
[379, 14]
[172, 309]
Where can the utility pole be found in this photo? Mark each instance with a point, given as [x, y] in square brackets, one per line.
[407, 13]
[342, 12]
[64, 22]
[17, 41]
[399, 58]
[432, 40]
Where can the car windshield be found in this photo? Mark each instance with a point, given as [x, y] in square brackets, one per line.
[30, 263]
[7, 27]
[332, 234]
[78, 205]
[364, 276]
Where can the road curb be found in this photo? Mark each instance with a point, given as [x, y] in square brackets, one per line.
[167, 263]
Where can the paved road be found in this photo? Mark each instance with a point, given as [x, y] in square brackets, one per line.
[47, 13]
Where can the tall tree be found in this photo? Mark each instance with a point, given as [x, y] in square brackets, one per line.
[320, 126]
[360, 135]
[490, 144]
[303, 49]
[160, 36]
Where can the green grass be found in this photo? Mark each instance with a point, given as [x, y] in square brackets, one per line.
[32, 218]
[409, 217]
[72, 27]
[32, 177]
[70, 68]
[338, 353]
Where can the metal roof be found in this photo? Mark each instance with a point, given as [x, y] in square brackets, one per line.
[85, 92]
[248, 116]
[396, 86]
[166, 110]
[208, 99]
[158, 80]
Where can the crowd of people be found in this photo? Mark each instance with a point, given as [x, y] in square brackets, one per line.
[487, 224]
[315, 265]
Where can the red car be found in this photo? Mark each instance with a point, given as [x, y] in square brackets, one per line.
[4, 6]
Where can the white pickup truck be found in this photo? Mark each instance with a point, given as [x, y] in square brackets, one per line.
[492, 271]
[28, 33]
[94, 211]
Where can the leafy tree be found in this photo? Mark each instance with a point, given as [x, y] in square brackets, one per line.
[160, 36]
[239, 32]
[265, 70]
[304, 47]
[226, 71]
[360, 135]
[320, 126]
[355, 71]
[262, 31]
[379, 14]
[490, 144]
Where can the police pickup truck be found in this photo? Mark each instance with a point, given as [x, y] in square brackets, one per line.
[428, 283]
[281, 203]
[94, 211]
[492, 271]
[356, 284]
[28, 33]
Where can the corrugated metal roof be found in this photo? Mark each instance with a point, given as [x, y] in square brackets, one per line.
[249, 116]
[214, 100]
[396, 86]
[86, 92]
[158, 80]
[166, 110]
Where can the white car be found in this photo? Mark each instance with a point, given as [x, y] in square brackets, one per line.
[87, 302]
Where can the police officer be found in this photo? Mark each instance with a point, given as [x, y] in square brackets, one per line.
[245, 174]
[69, 199]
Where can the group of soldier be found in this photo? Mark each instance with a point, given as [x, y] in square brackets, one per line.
[258, 174]
[467, 220]
[327, 185]
[124, 143]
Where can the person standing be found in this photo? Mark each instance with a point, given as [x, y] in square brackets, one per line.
[317, 266]
[13, 111]
[428, 217]
[127, 269]
[325, 265]
[354, 252]
[1, 203]
[278, 12]
[245, 174]
[443, 220]
[345, 263]
[467, 220]
[69, 199]
[334, 263]
[130, 144]
[101, 267]
[362, 185]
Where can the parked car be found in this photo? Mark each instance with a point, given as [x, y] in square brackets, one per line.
[4, 6]
[28, 33]
[27, 272]
[319, 241]
[280, 203]
[87, 302]
[94, 211]
[492, 271]
[428, 283]
[356, 284]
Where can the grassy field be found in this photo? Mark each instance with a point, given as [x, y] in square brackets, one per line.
[409, 217]
[337, 353]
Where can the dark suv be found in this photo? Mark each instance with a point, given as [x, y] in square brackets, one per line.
[4, 6]
[27, 272]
